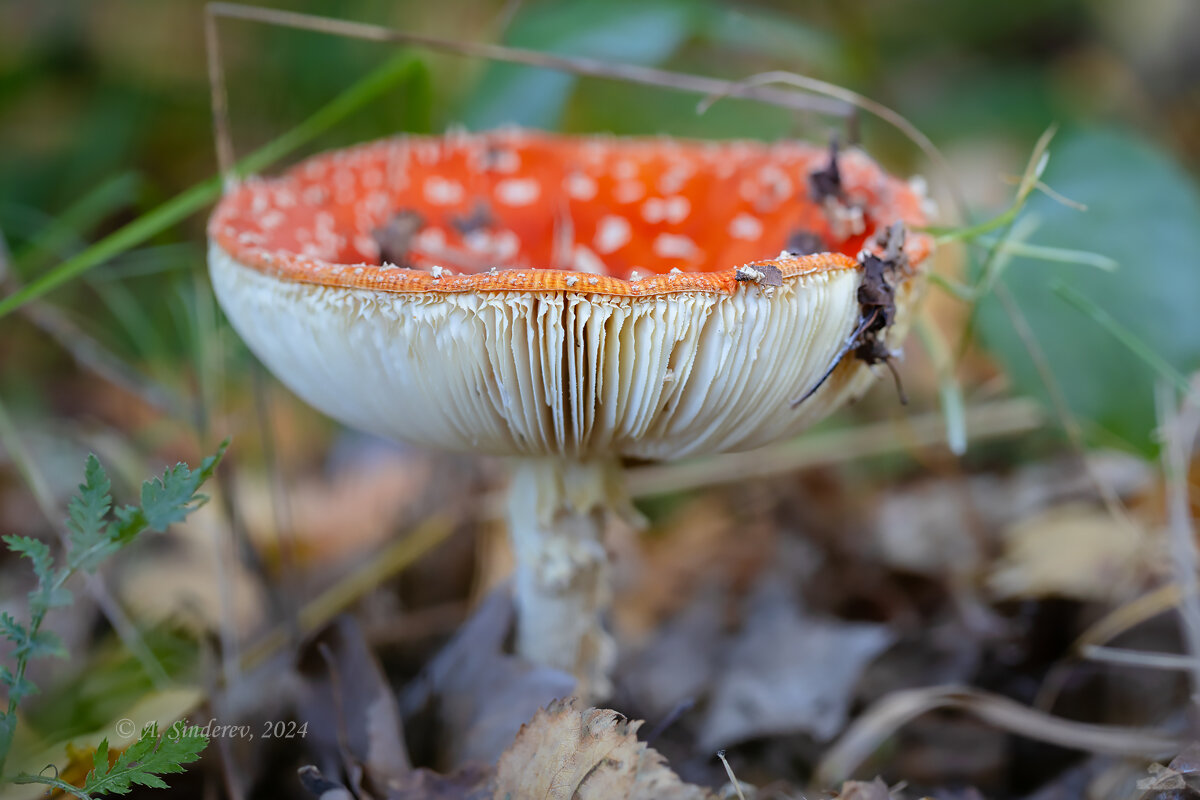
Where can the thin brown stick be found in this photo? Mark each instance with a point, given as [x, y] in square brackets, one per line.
[867, 104]
[219, 96]
[1141, 658]
[590, 67]
[881, 721]
[1110, 626]
[1002, 418]
[1179, 427]
[382, 565]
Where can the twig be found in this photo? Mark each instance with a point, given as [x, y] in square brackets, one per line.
[590, 67]
[881, 721]
[853, 99]
[1141, 658]
[1105, 629]
[219, 98]
[382, 565]
[737, 787]
[1002, 418]
[1179, 426]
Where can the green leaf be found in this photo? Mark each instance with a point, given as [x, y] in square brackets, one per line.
[43, 644]
[18, 688]
[38, 552]
[1144, 214]
[49, 592]
[12, 630]
[144, 760]
[172, 497]
[87, 516]
[643, 32]
[29, 645]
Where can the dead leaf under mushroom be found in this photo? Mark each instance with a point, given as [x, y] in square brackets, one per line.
[594, 754]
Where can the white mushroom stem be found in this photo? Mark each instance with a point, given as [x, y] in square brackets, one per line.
[556, 515]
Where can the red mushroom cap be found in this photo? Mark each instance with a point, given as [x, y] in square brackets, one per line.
[561, 295]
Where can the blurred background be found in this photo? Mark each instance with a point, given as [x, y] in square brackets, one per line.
[104, 115]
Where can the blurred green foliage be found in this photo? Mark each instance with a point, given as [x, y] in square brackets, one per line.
[1142, 211]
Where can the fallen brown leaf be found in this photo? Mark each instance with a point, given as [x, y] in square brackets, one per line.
[479, 694]
[789, 672]
[593, 754]
[1077, 551]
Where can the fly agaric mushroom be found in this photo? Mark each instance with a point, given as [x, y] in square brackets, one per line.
[569, 302]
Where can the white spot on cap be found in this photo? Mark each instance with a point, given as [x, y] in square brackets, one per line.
[506, 161]
[677, 209]
[674, 179]
[652, 210]
[271, 220]
[584, 260]
[506, 244]
[367, 247]
[612, 233]
[315, 196]
[670, 245]
[672, 209]
[580, 186]
[442, 192]
[372, 178]
[479, 241]
[518, 191]
[629, 192]
[572, 280]
[744, 226]
[431, 239]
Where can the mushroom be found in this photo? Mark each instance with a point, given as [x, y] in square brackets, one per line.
[569, 302]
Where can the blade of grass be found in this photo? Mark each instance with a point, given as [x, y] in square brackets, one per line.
[949, 392]
[374, 85]
[67, 228]
[1123, 335]
[1038, 159]
[993, 263]
[1058, 254]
